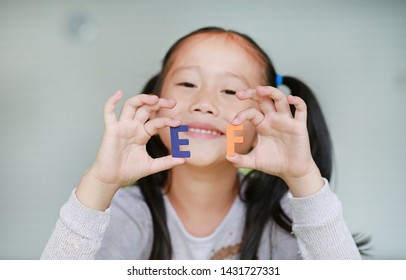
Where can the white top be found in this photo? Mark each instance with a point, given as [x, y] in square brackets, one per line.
[124, 231]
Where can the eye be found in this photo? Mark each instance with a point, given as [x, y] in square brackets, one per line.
[229, 91]
[186, 84]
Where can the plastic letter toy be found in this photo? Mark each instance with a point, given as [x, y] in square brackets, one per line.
[176, 142]
[231, 139]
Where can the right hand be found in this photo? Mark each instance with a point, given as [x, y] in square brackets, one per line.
[122, 157]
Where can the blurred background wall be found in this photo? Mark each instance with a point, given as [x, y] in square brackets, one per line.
[60, 60]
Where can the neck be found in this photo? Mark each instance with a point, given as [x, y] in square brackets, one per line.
[202, 194]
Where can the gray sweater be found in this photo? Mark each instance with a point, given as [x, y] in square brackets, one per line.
[124, 231]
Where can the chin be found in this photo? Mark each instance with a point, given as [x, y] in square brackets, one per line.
[206, 159]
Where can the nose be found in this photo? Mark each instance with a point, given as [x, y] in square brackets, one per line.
[205, 103]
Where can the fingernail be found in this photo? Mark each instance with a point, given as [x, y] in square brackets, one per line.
[236, 121]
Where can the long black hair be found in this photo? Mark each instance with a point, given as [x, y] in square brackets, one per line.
[263, 192]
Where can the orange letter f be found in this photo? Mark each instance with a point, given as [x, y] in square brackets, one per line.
[231, 139]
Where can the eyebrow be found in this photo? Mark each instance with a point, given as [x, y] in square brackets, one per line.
[196, 68]
[185, 68]
[242, 78]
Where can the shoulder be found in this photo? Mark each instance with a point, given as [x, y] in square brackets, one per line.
[285, 205]
[131, 202]
[129, 234]
[129, 193]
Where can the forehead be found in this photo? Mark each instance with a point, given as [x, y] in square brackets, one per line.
[224, 50]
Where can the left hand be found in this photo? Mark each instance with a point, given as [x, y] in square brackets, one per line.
[282, 147]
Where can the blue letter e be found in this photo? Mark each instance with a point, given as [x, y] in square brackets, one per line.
[176, 142]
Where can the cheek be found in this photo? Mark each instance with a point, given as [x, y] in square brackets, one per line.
[249, 133]
[169, 113]
[249, 129]
[164, 134]
[243, 105]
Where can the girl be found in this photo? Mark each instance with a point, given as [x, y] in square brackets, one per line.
[201, 207]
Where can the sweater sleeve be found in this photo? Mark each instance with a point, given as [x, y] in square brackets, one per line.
[78, 232]
[129, 235]
[320, 228]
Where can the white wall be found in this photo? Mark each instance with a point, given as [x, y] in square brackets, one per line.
[53, 86]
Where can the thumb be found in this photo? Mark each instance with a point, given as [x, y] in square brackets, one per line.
[164, 163]
[242, 161]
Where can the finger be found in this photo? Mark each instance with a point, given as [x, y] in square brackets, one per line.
[300, 106]
[110, 106]
[164, 163]
[266, 104]
[152, 126]
[143, 113]
[279, 98]
[250, 94]
[132, 104]
[250, 114]
[242, 161]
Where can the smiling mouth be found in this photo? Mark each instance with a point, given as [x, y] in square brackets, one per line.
[204, 131]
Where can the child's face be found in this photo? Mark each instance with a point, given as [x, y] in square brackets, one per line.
[203, 77]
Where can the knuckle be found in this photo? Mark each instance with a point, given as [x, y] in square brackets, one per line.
[128, 102]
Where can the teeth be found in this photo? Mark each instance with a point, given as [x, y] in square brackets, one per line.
[203, 131]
